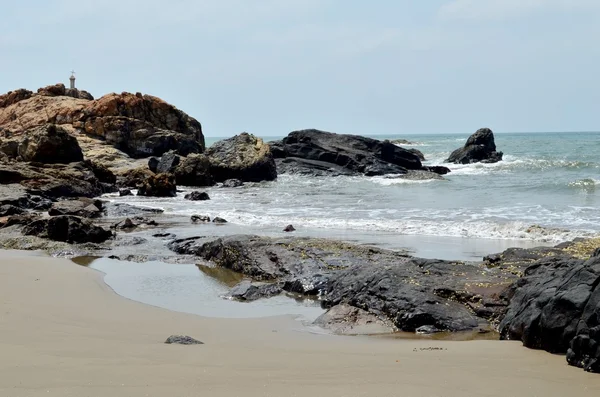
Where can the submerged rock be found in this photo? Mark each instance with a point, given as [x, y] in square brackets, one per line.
[197, 196]
[232, 183]
[219, 220]
[480, 147]
[200, 219]
[248, 291]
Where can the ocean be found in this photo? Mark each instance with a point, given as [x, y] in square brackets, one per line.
[545, 191]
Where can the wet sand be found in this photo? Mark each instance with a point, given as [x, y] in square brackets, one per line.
[64, 332]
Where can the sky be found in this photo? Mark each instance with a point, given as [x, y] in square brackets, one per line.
[349, 66]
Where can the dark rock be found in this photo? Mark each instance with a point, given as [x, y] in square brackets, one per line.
[200, 219]
[8, 210]
[480, 147]
[194, 170]
[183, 340]
[438, 169]
[248, 291]
[153, 164]
[83, 207]
[417, 153]
[49, 144]
[79, 94]
[244, 157]
[160, 185]
[349, 320]
[127, 224]
[164, 235]
[52, 90]
[125, 192]
[335, 154]
[102, 173]
[120, 210]
[67, 228]
[168, 163]
[289, 228]
[219, 220]
[390, 285]
[402, 142]
[232, 183]
[197, 196]
[12, 220]
[12, 97]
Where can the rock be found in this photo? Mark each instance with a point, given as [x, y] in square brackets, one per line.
[402, 290]
[219, 220]
[8, 210]
[53, 180]
[153, 164]
[197, 196]
[79, 94]
[139, 125]
[164, 235]
[183, 340]
[200, 219]
[289, 228]
[417, 153]
[167, 163]
[83, 207]
[247, 291]
[402, 142]
[120, 210]
[437, 169]
[102, 173]
[12, 97]
[244, 157]
[335, 154]
[67, 228]
[142, 125]
[480, 147]
[348, 320]
[25, 219]
[52, 90]
[133, 177]
[232, 183]
[160, 185]
[127, 224]
[125, 192]
[427, 330]
[194, 170]
[49, 144]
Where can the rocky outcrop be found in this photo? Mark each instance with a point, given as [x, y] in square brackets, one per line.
[480, 147]
[167, 164]
[244, 157]
[555, 306]
[407, 292]
[12, 97]
[133, 177]
[194, 170]
[315, 152]
[139, 125]
[82, 207]
[54, 180]
[160, 185]
[67, 228]
[49, 144]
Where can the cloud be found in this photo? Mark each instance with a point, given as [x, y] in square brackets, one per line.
[505, 9]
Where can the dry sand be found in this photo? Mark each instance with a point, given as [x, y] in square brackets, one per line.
[63, 332]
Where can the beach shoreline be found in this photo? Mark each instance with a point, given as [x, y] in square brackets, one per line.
[64, 332]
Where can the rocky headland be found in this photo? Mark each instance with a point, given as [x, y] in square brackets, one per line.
[60, 149]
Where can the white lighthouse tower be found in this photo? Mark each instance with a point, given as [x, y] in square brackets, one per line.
[72, 79]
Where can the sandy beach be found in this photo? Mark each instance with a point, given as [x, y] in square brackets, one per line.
[63, 332]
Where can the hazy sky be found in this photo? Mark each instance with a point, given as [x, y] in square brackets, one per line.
[349, 66]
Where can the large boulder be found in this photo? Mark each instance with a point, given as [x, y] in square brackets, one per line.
[52, 90]
[141, 125]
[555, 305]
[160, 185]
[67, 228]
[49, 144]
[194, 170]
[406, 292]
[133, 177]
[321, 153]
[244, 157]
[82, 207]
[480, 147]
[167, 164]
